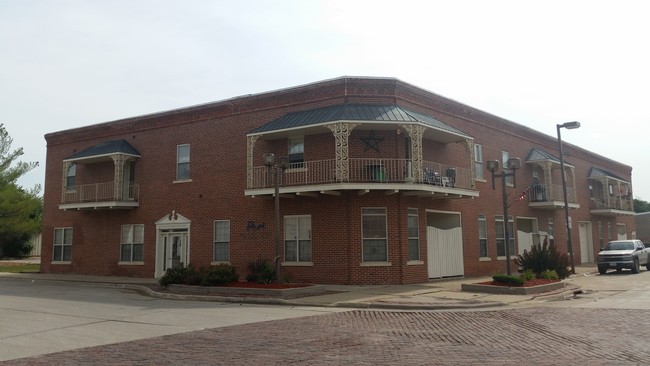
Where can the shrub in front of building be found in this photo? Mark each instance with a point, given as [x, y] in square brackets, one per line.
[544, 257]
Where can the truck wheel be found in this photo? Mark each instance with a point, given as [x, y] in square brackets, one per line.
[635, 266]
[647, 266]
[602, 270]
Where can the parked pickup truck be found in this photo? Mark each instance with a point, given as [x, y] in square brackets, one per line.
[621, 254]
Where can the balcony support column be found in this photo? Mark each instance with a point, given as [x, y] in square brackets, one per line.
[342, 131]
[250, 147]
[548, 180]
[118, 178]
[469, 144]
[66, 166]
[415, 133]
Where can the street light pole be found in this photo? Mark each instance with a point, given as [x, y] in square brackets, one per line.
[512, 164]
[275, 170]
[567, 217]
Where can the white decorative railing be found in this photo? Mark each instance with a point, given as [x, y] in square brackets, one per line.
[99, 192]
[366, 171]
[624, 203]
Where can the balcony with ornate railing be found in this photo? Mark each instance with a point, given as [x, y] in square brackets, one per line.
[612, 205]
[550, 196]
[100, 195]
[367, 174]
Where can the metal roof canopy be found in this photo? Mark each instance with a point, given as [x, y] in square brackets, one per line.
[375, 117]
[595, 173]
[536, 155]
[103, 151]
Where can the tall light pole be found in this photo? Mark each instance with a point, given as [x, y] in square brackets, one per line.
[275, 170]
[512, 164]
[568, 126]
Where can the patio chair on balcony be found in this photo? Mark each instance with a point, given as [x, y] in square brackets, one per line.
[451, 177]
[432, 177]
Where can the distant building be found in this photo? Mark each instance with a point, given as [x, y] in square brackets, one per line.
[386, 184]
[642, 222]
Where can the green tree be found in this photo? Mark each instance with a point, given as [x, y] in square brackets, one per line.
[21, 210]
[641, 206]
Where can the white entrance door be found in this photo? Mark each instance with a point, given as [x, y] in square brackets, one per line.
[445, 252]
[586, 243]
[175, 250]
[172, 242]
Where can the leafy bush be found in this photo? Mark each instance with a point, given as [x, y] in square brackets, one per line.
[17, 246]
[210, 276]
[508, 279]
[260, 271]
[218, 275]
[527, 275]
[549, 275]
[544, 257]
[177, 275]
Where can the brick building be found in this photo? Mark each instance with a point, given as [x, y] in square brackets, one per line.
[386, 183]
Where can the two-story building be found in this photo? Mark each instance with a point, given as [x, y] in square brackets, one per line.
[378, 182]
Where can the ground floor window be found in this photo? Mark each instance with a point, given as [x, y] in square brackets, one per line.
[414, 234]
[500, 232]
[482, 236]
[221, 248]
[297, 238]
[62, 244]
[375, 237]
[131, 243]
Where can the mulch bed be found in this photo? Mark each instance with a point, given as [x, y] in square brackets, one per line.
[530, 283]
[276, 286]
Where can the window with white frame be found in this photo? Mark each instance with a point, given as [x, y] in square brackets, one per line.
[375, 234]
[296, 152]
[609, 231]
[505, 156]
[600, 233]
[413, 227]
[183, 162]
[478, 159]
[132, 243]
[297, 238]
[482, 236]
[62, 244]
[221, 248]
[501, 235]
[71, 175]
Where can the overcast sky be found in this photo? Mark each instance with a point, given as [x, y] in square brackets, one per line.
[72, 63]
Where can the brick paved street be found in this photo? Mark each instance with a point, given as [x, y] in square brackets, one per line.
[532, 336]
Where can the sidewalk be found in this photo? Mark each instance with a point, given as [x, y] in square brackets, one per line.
[437, 294]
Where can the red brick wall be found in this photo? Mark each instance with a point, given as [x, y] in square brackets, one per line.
[217, 135]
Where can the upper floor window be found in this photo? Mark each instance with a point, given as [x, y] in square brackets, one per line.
[297, 238]
[374, 234]
[296, 151]
[131, 243]
[71, 175]
[62, 244]
[478, 159]
[183, 162]
[414, 234]
[505, 156]
[221, 250]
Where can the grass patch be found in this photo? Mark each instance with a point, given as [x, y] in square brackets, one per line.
[17, 268]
